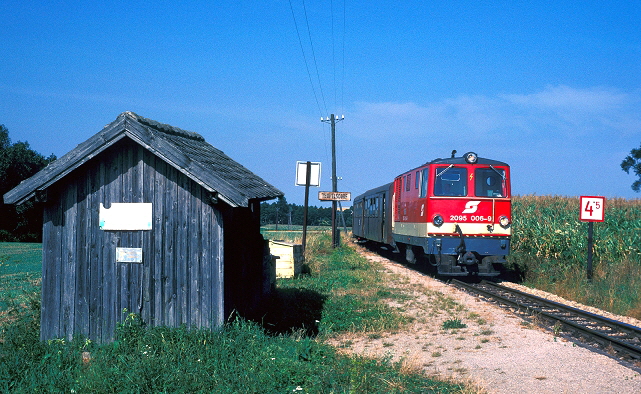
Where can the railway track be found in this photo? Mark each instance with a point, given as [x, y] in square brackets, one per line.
[618, 339]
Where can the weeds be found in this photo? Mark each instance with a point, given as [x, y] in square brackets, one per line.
[452, 324]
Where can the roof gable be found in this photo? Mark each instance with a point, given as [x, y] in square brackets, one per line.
[186, 151]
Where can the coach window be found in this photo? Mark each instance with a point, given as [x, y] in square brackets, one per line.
[450, 181]
[373, 207]
[417, 181]
[423, 190]
[408, 182]
[490, 182]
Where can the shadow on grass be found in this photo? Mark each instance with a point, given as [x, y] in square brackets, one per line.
[293, 310]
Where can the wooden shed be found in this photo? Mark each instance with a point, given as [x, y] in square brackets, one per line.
[149, 218]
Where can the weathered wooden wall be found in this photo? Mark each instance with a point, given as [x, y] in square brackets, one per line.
[84, 290]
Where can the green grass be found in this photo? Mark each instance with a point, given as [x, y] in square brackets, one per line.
[342, 292]
[286, 354]
[20, 271]
[240, 358]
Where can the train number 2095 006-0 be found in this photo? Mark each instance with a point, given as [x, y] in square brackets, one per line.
[464, 218]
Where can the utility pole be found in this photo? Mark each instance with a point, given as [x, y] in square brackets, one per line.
[332, 121]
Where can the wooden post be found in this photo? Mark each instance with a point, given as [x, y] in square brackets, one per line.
[335, 237]
[308, 176]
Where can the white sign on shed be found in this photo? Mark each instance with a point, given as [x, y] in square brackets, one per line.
[126, 216]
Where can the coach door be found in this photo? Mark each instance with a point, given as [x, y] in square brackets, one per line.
[383, 217]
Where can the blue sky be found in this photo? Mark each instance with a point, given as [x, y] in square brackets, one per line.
[551, 87]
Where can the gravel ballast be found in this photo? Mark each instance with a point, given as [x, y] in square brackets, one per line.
[497, 351]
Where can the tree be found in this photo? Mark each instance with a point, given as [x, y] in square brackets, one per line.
[17, 163]
[633, 162]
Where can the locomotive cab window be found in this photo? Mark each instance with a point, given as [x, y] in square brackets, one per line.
[490, 182]
[450, 181]
[423, 189]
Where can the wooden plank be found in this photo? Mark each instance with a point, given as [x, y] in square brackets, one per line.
[91, 249]
[124, 270]
[218, 264]
[206, 255]
[195, 259]
[182, 241]
[159, 184]
[144, 178]
[169, 258]
[82, 251]
[68, 282]
[137, 270]
[50, 304]
[111, 314]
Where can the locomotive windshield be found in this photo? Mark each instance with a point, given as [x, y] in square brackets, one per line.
[490, 182]
[450, 181]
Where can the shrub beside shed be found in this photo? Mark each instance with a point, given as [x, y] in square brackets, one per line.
[149, 218]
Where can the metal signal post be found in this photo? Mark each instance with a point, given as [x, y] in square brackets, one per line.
[592, 209]
[332, 121]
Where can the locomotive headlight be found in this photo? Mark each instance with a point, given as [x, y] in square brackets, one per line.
[438, 220]
[471, 157]
[504, 221]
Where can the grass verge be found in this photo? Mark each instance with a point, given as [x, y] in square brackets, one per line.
[241, 357]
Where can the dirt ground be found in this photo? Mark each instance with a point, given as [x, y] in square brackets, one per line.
[497, 351]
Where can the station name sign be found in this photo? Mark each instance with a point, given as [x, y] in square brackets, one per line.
[334, 196]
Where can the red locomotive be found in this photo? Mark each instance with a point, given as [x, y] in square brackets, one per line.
[454, 214]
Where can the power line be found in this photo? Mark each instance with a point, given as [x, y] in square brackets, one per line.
[321, 101]
[343, 62]
[309, 33]
[305, 59]
[331, 6]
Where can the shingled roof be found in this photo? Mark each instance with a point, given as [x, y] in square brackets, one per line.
[185, 150]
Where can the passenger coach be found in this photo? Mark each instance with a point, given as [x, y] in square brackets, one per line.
[453, 213]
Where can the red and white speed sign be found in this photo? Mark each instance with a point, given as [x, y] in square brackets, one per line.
[592, 209]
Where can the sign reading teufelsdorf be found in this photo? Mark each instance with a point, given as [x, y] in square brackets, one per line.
[334, 196]
[592, 209]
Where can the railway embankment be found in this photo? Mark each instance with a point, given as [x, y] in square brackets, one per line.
[456, 335]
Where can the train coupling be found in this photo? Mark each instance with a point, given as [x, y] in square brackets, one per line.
[468, 258]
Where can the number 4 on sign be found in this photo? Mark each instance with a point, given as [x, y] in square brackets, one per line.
[592, 209]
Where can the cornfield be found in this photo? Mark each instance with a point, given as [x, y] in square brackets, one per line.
[549, 246]
[549, 228]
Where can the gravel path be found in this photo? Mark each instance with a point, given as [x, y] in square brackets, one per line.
[496, 351]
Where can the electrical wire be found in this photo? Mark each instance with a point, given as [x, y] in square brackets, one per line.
[331, 7]
[343, 62]
[322, 103]
[305, 59]
[309, 33]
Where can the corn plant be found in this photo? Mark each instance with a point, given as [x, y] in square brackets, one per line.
[549, 244]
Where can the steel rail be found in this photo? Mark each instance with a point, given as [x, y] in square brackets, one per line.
[622, 337]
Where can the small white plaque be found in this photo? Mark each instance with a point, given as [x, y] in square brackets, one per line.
[126, 216]
[129, 255]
